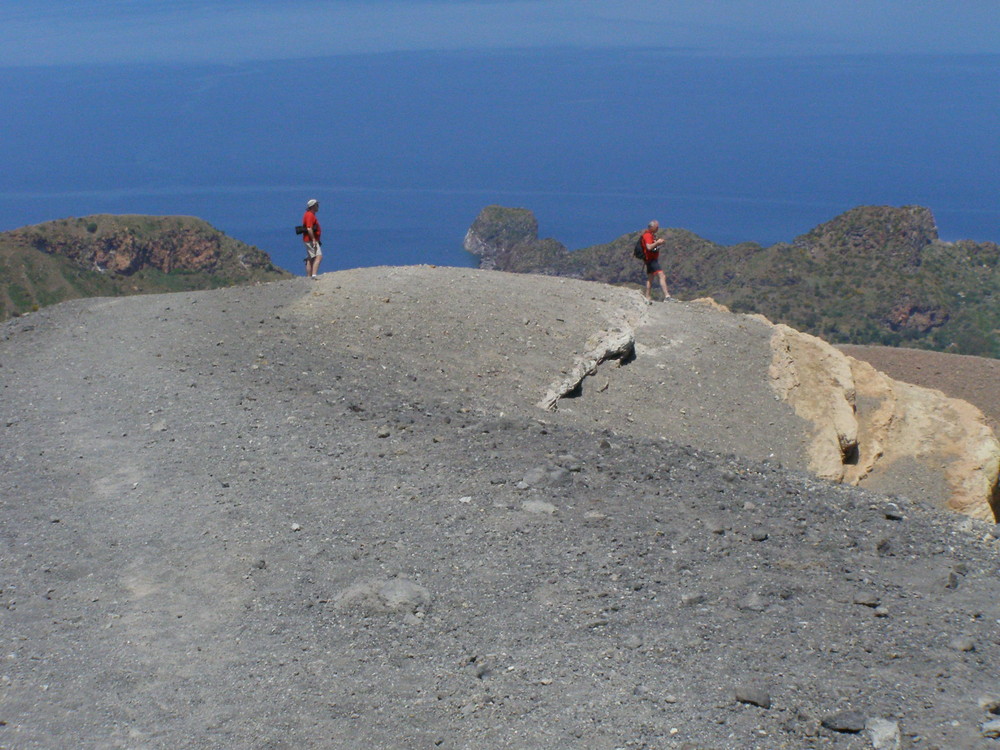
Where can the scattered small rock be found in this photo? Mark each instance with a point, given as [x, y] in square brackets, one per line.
[884, 734]
[559, 476]
[633, 642]
[754, 603]
[990, 704]
[753, 695]
[395, 595]
[690, 600]
[570, 462]
[849, 722]
[539, 507]
[866, 599]
[893, 513]
[535, 477]
[759, 535]
[962, 643]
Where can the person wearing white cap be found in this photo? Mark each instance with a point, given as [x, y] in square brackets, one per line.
[311, 236]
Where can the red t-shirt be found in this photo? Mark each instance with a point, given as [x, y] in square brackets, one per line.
[310, 220]
[647, 240]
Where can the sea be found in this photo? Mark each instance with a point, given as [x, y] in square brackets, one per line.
[404, 149]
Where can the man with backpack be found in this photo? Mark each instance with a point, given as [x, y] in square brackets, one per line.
[649, 244]
[311, 236]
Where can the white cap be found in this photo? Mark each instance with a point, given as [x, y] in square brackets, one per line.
[311, 203]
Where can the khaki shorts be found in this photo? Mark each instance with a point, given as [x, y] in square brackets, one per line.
[313, 250]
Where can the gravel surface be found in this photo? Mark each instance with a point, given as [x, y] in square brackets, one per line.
[327, 514]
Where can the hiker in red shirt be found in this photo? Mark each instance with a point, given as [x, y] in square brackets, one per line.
[650, 246]
[311, 236]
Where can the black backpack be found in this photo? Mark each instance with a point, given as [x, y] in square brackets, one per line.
[639, 251]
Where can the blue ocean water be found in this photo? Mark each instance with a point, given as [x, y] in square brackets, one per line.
[403, 150]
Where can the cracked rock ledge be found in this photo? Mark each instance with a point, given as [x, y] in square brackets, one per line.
[866, 428]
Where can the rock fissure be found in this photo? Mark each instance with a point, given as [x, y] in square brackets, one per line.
[613, 344]
[871, 430]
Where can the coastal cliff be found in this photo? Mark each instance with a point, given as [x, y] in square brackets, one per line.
[506, 239]
[108, 255]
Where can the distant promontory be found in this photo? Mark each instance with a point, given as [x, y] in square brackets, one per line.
[107, 255]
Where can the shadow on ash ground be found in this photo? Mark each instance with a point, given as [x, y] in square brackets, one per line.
[328, 515]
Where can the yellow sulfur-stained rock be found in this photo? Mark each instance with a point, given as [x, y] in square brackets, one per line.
[816, 380]
[873, 431]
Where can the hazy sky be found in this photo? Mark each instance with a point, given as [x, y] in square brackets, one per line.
[70, 31]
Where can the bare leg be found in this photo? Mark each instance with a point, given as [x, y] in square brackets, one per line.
[649, 288]
[312, 265]
[663, 285]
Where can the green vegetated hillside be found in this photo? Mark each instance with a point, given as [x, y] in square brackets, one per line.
[118, 255]
[874, 275]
